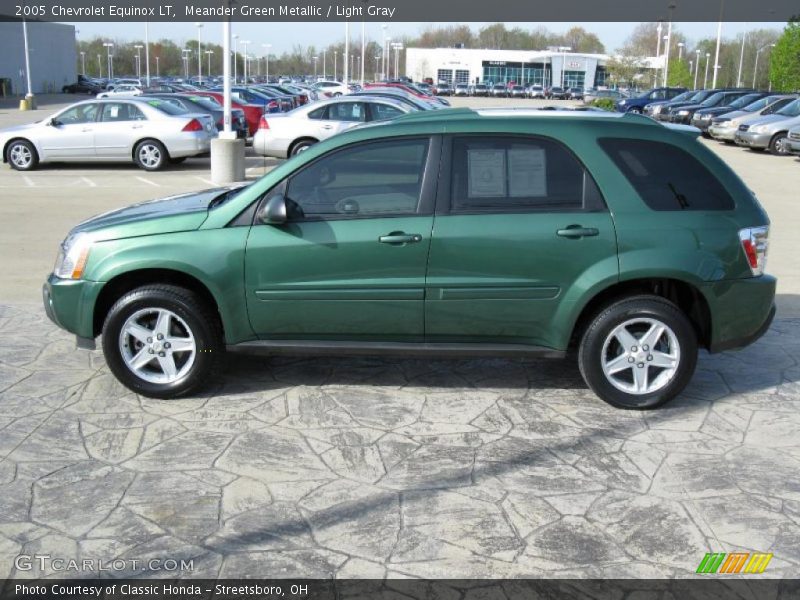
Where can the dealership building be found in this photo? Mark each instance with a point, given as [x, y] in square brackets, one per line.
[527, 67]
[52, 51]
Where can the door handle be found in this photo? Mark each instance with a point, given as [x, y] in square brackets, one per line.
[398, 238]
[136, 126]
[327, 126]
[576, 231]
[88, 129]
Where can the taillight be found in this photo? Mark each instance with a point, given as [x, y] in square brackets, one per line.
[193, 125]
[755, 241]
[272, 105]
[263, 123]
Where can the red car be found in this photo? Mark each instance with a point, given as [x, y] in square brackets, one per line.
[252, 112]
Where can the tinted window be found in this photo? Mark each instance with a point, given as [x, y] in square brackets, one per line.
[381, 112]
[347, 111]
[120, 111]
[496, 174]
[383, 178]
[318, 113]
[790, 110]
[744, 100]
[666, 177]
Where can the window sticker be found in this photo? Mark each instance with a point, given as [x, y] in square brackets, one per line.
[487, 173]
[114, 110]
[527, 173]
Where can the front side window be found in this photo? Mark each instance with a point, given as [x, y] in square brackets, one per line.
[375, 179]
[666, 177]
[83, 113]
[516, 174]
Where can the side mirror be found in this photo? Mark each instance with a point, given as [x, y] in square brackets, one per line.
[274, 211]
[52, 122]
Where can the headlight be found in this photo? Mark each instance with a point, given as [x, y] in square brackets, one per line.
[622, 102]
[683, 113]
[72, 256]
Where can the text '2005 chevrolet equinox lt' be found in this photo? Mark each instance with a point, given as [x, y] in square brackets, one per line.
[504, 233]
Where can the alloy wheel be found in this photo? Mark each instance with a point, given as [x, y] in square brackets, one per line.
[150, 155]
[21, 156]
[640, 356]
[157, 345]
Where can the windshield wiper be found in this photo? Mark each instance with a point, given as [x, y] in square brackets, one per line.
[682, 201]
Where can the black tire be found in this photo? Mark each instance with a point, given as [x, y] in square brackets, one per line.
[636, 110]
[778, 145]
[21, 155]
[594, 350]
[193, 315]
[150, 155]
[301, 146]
[177, 161]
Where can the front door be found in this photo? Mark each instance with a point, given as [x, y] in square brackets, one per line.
[72, 134]
[520, 230]
[350, 262]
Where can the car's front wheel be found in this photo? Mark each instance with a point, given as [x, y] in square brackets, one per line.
[162, 341]
[638, 353]
[779, 144]
[150, 155]
[21, 155]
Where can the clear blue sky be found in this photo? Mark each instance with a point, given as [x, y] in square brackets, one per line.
[283, 36]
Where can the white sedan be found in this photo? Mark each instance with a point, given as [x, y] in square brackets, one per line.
[121, 91]
[151, 133]
[285, 134]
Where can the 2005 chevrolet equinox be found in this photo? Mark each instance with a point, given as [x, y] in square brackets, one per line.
[458, 232]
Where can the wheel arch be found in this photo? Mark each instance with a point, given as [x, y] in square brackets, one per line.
[123, 283]
[23, 139]
[681, 293]
[305, 138]
[144, 139]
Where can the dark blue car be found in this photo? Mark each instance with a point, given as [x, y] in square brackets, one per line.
[637, 103]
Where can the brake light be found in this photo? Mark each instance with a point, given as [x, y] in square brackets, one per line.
[755, 241]
[272, 104]
[193, 125]
[263, 123]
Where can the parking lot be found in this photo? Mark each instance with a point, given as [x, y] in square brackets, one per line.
[384, 467]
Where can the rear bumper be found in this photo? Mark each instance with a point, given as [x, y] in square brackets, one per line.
[741, 311]
[189, 145]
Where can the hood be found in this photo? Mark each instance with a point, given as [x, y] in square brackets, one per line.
[11, 131]
[737, 114]
[766, 119]
[717, 110]
[182, 212]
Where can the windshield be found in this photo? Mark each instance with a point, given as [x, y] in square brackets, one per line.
[699, 96]
[790, 110]
[712, 100]
[759, 104]
[167, 107]
[744, 100]
[683, 96]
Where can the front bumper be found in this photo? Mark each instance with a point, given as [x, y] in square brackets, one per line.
[752, 139]
[701, 124]
[69, 303]
[722, 133]
[680, 119]
[741, 311]
[794, 145]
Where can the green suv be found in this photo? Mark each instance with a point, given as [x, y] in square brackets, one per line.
[457, 232]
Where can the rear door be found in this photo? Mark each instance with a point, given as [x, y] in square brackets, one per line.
[119, 125]
[520, 232]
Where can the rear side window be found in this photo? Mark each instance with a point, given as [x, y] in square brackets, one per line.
[518, 174]
[666, 177]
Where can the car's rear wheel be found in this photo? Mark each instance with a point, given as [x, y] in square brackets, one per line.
[150, 155]
[162, 341]
[779, 144]
[636, 110]
[638, 353]
[301, 146]
[21, 155]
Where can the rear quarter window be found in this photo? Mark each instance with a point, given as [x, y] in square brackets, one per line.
[666, 177]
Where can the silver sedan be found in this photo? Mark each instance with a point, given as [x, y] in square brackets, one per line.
[286, 134]
[151, 133]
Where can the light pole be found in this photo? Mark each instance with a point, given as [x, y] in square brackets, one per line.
[397, 46]
[680, 50]
[109, 62]
[157, 67]
[741, 61]
[324, 64]
[705, 77]
[719, 43]
[235, 57]
[99, 67]
[363, 59]
[377, 56]
[564, 50]
[335, 70]
[208, 54]
[138, 60]
[29, 95]
[245, 43]
[668, 43]
[186, 52]
[83, 62]
[315, 58]
[383, 51]
[696, 66]
[346, 51]
[147, 53]
[199, 55]
[755, 67]
[266, 59]
[387, 58]
[659, 29]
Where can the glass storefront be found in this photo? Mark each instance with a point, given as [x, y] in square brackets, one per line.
[520, 73]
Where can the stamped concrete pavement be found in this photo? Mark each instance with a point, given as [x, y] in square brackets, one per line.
[395, 468]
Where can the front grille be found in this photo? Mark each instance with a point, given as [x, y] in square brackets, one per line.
[744, 127]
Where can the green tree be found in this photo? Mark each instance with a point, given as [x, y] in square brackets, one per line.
[679, 75]
[784, 64]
